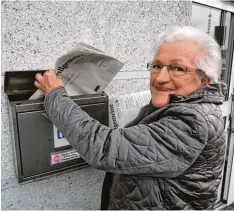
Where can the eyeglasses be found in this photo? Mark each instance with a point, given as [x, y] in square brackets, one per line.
[173, 70]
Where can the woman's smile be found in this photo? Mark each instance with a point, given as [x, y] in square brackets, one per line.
[164, 89]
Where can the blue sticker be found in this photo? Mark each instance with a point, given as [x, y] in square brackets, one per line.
[59, 134]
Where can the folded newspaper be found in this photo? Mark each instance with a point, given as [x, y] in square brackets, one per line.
[85, 70]
[124, 108]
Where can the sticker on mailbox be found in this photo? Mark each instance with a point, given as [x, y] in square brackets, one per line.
[63, 156]
[59, 140]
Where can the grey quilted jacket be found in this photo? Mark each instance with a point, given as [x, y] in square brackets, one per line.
[167, 158]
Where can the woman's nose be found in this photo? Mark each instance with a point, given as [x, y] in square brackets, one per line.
[163, 76]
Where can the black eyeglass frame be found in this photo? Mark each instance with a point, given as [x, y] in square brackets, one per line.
[187, 69]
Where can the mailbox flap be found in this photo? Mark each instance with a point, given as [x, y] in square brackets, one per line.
[17, 82]
[19, 86]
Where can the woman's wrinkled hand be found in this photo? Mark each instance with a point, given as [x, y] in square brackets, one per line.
[48, 81]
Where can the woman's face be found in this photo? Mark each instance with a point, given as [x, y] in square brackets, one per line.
[162, 83]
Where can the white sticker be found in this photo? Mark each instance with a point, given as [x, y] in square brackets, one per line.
[59, 140]
[63, 156]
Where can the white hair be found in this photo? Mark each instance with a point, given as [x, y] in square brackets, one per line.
[209, 61]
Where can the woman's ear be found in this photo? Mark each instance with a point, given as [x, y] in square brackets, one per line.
[205, 80]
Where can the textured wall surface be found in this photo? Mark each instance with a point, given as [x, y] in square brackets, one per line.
[35, 33]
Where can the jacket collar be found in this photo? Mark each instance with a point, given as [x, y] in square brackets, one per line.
[211, 93]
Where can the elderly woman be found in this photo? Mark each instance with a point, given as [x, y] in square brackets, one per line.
[171, 155]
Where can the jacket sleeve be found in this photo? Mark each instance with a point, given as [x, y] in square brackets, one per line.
[164, 148]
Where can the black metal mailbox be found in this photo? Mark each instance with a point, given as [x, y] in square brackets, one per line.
[35, 153]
